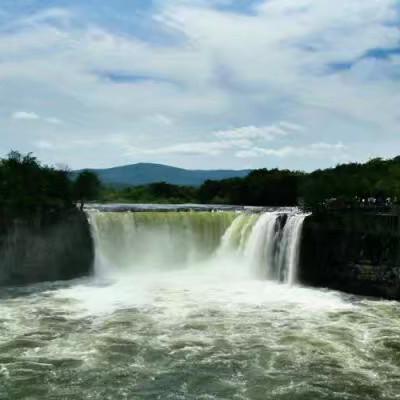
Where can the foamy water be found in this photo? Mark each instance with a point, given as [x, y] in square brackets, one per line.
[210, 329]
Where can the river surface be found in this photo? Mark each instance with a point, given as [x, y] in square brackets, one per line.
[209, 330]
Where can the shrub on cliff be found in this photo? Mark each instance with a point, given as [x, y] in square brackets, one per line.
[86, 187]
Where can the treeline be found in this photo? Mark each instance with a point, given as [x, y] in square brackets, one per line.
[159, 192]
[29, 189]
[260, 187]
[346, 184]
[32, 191]
[354, 183]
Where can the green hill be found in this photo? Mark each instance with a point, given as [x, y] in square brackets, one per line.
[145, 173]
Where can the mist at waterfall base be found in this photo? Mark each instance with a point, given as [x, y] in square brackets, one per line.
[196, 305]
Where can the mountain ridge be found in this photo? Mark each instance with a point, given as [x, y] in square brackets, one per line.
[145, 173]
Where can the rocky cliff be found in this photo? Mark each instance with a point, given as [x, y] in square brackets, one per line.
[59, 249]
[352, 251]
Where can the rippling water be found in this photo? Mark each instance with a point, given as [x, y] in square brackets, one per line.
[191, 335]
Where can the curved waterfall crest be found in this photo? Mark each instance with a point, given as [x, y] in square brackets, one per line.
[266, 245]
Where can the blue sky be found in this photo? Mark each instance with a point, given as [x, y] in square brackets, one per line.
[299, 84]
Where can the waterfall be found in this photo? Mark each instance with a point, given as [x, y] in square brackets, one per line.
[266, 245]
[271, 250]
[288, 256]
[134, 241]
[260, 246]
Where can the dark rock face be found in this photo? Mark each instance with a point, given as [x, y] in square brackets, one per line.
[58, 250]
[353, 252]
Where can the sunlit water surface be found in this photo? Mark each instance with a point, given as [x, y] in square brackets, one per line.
[208, 332]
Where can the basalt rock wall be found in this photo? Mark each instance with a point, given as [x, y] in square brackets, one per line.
[59, 249]
[356, 252]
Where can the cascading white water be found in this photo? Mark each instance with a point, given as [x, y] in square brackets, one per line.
[143, 241]
[266, 245]
[288, 256]
[271, 249]
[260, 246]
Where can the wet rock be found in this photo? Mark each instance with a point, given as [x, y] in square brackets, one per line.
[353, 252]
[59, 250]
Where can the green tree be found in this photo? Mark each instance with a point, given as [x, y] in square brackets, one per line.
[86, 187]
[31, 191]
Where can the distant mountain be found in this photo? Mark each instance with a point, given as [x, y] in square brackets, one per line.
[144, 173]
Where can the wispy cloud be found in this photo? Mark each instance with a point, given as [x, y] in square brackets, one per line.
[211, 148]
[32, 116]
[25, 115]
[259, 132]
[314, 150]
[53, 120]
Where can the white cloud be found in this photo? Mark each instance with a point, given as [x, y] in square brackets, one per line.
[25, 115]
[211, 148]
[291, 126]
[29, 115]
[254, 132]
[244, 148]
[224, 69]
[311, 150]
[328, 146]
[53, 120]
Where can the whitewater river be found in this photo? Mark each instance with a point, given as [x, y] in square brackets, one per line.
[206, 329]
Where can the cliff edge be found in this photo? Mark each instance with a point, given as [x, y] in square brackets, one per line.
[59, 249]
[351, 251]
